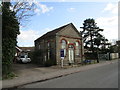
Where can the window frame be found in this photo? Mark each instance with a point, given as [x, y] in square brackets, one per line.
[77, 44]
[64, 46]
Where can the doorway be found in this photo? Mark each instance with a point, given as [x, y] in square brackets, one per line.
[71, 54]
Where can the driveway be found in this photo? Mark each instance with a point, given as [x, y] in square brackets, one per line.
[21, 69]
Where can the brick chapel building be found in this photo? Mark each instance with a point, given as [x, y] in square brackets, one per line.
[66, 38]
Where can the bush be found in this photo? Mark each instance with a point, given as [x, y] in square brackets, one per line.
[9, 75]
[8, 52]
[49, 63]
[91, 55]
[10, 30]
[36, 57]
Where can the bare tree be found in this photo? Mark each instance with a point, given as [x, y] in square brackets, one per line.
[23, 10]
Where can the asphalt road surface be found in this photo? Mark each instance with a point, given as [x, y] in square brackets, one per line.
[100, 77]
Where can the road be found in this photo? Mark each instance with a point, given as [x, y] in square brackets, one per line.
[100, 77]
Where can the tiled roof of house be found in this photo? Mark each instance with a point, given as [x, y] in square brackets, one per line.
[53, 32]
[27, 48]
[20, 50]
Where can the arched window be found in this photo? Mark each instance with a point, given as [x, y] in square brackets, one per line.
[64, 46]
[77, 48]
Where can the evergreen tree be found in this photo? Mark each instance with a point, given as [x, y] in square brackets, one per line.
[90, 34]
[10, 30]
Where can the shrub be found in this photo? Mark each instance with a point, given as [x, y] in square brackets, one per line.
[10, 30]
[9, 75]
[49, 63]
[36, 57]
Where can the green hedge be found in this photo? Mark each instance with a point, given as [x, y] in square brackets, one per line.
[49, 63]
[10, 30]
[37, 57]
[8, 52]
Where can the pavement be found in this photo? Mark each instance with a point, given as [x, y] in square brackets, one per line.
[27, 74]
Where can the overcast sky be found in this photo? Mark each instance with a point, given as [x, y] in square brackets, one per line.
[51, 15]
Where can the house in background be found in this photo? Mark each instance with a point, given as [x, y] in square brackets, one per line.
[26, 50]
[22, 51]
[65, 39]
[18, 51]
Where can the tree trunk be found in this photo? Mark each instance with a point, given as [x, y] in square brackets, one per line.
[91, 43]
[97, 54]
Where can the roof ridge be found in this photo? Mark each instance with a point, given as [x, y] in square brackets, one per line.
[61, 27]
[54, 31]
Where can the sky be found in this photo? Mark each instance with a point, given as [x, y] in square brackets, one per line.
[51, 15]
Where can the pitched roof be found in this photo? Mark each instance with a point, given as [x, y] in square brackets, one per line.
[27, 48]
[53, 32]
[20, 50]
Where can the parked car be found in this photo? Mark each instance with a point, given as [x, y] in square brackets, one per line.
[23, 59]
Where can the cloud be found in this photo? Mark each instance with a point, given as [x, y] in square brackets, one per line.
[37, 11]
[27, 37]
[44, 8]
[108, 21]
[71, 9]
[112, 8]
[63, 0]
[37, 6]
[11, 8]
[110, 26]
[41, 8]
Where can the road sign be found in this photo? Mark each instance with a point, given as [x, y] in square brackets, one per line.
[62, 53]
[62, 56]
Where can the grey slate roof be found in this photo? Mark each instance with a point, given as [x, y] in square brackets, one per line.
[53, 32]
